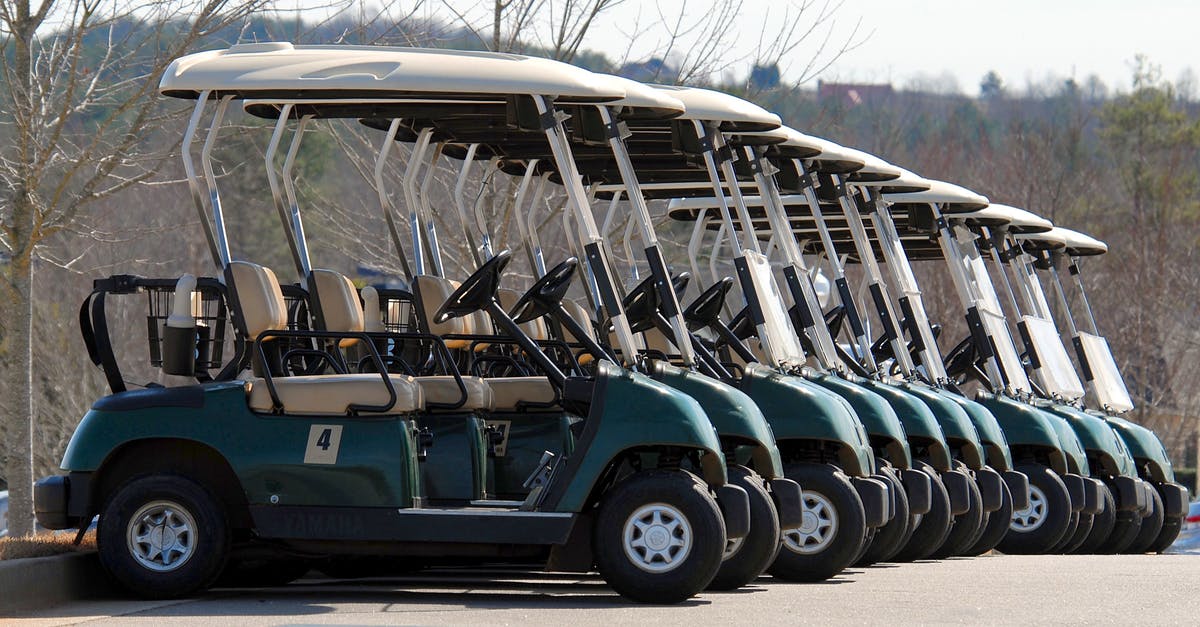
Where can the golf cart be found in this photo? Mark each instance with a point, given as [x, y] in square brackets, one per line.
[775, 501]
[259, 455]
[1168, 503]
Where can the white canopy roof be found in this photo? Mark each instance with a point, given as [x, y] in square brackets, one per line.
[955, 199]
[733, 112]
[1075, 243]
[281, 69]
[907, 181]
[1017, 220]
[641, 96]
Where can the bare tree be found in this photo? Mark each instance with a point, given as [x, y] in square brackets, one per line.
[73, 132]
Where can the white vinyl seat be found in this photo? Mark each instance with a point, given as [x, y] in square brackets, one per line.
[511, 393]
[444, 390]
[262, 308]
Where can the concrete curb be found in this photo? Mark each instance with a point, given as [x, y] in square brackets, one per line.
[33, 583]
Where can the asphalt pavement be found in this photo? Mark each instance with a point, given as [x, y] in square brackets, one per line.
[994, 589]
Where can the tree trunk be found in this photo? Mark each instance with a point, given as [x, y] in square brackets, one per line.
[18, 392]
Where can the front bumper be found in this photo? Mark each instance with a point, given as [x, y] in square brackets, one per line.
[991, 488]
[1018, 488]
[735, 509]
[873, 492]
[61, 501]
[1130, 494]
[789, 501]
[918, 487]
[1174, 498]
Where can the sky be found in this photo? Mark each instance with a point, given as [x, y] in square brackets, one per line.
[1022, 40]
[944, 41]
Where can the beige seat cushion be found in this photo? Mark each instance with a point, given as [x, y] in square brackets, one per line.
[656, 341]
[536, 328]
[333, 394]
[510, 391]
[340, 308]
[259, 298]
[444, 389]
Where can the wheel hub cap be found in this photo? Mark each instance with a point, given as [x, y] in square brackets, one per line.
[657, 538]
[818, 526]
[160, 536]
[1032, 517]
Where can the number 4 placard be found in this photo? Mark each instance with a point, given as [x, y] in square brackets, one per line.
[323, 443]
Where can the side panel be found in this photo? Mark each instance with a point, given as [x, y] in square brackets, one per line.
[1145, 447]
[1098, 439]
[877, 416]
[800, 410]
[732, 413]
[328, 460]
[955, 423]
[631, 411]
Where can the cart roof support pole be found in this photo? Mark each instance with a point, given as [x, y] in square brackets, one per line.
[289, 188]
[214, 195]
[281, 208]
[189, 169]
[385, 201]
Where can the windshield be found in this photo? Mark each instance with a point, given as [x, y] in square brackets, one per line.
[782, 343]
[1107, 383]
[1054, 370]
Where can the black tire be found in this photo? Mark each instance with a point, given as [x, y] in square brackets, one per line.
[187, 514]
[670, 493]
[830, 503]
[964, 529]
[933, 526]
[995, 525]
[1068, 535]
[758, 549]
[1124, 531]
[262, 573]
[1151, 526]
[890, 538]
[1081, 533]
[1038, 529]
[1102, 525]
[1171, 527]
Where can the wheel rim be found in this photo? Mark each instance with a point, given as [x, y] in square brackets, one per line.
[657, 538]
[1032, 517]
[161, 536]
[818, 529]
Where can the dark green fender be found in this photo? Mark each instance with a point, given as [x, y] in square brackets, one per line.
[1099, 439]
[995, 446]
[1026, 426]
[733, 414]
[877, 416]
[798, 409]
[635, 411]
[955, 423]
[920, 424]
[1146, 448]
[375, 464]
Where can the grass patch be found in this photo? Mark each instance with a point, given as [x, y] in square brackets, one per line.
[45, 545]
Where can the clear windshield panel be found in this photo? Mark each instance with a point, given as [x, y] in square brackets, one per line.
[1107, 383]
[1055, 373]
[997, 329]
[781, 340]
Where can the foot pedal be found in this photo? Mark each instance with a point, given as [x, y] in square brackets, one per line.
[538, 480]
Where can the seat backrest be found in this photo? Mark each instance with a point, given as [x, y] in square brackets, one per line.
[581, 316]
[259, 297]
[340, 308]
[536, 328]
[656, 341]
[432, 292]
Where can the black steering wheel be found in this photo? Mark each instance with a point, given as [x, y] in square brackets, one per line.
[641, 305]
[546, 293]
[961, 358]
[477, 291]
[706, 309]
